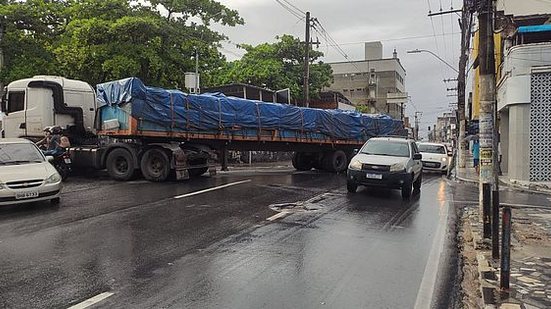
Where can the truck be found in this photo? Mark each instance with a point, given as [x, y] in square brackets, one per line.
[127, 128]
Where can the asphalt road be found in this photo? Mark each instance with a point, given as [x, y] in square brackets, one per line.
[207, 243]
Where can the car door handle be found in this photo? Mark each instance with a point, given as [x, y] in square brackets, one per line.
[23, 125]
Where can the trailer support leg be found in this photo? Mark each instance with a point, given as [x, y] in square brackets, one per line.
[224, 158]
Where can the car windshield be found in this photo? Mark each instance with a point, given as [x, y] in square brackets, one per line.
[386, 148]
[19, 153]
[432, 148]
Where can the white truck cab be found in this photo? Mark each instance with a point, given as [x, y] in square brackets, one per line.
[31, 104]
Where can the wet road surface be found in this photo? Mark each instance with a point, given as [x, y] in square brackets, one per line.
[196, 244]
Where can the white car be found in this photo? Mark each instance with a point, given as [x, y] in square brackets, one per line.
[436, 157]
[25, 174]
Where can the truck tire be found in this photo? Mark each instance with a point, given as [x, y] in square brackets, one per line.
[155, 165]
[351, 186]
[120, 164]
[417, 183]
[302, 162]
[407, 188]
[335, 161]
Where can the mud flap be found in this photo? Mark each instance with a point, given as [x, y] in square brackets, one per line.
[180, 164]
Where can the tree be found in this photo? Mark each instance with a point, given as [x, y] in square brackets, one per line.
[279, 65]
[99, 40]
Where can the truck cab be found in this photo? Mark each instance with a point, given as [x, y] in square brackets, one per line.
[31, 104]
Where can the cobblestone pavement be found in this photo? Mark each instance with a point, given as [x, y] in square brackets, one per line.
[530, 280]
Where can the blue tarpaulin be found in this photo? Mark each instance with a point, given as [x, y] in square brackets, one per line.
[173, 110]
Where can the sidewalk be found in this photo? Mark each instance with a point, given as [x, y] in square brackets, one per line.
[468, 174]
[530, 251]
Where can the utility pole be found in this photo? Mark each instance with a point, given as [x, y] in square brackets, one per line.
[416, 133]
[196, 70]
[466, 23]
[487, 106]
[307, 62]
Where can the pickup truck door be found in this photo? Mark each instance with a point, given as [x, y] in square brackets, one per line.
[417, 164]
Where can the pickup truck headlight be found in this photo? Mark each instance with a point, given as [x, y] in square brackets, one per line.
[398, 167]
[355, 165]
[54, 178]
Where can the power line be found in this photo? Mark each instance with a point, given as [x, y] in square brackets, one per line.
[296, 8]
[325, 34]
[294, 12]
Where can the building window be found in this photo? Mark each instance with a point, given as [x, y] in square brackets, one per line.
[345, 90]
[16, 101]
[359, 89]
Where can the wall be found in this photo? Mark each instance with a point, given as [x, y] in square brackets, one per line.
[519, 139]
[504, 140]
[524, 7]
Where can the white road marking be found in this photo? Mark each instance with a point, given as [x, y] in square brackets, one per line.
[92, 301]
[212, 189]
[278, 216]
[428, 283]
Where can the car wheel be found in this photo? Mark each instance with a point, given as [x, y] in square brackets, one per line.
[351, 186]
[417, 183]
[407, 188]
[55, 201]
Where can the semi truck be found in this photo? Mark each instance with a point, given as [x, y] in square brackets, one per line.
[128, 128]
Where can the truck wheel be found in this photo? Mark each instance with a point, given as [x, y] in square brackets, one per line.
[302, 162]
[120, 164]
[351, 186]
[417, 183]
[155, 165]
[407, 188]
[335, 161]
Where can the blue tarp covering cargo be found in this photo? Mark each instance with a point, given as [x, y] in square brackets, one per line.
[163, 110]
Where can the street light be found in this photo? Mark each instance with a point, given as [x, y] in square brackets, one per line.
[416, 51]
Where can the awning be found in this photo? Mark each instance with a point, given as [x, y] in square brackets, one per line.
[532, 29]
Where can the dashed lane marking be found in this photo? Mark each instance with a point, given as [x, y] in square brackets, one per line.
[212, 189]
[92, 301]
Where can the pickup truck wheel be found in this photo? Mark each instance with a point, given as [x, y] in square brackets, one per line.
[302, 162]
[335, 161]
[352, 187]
[120, 164]
[417, 183]
[155, 165]
[407, 188]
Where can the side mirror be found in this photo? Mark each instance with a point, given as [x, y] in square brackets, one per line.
[417, 156]
[50, 158]
[450, 153]
[355, 151]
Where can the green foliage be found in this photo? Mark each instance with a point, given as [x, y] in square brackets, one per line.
[99, 40]
[279, 65]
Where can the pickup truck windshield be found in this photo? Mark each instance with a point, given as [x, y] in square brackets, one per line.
[19, 154]
[386, 148]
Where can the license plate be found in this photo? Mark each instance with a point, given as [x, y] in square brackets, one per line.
[67, 161]
[24, 195]
[374, 176]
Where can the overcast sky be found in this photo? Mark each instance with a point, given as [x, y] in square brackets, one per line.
[400, 24]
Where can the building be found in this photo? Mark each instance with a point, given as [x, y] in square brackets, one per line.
[524, 98]
[367, 82]
[250, 92]
[332, 100]
[445, 128]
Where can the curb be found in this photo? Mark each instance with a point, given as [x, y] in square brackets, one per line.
[509, 185]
